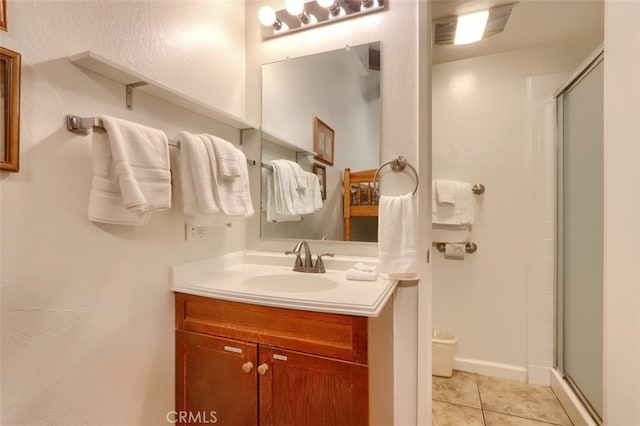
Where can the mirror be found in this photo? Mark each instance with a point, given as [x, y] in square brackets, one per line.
[10, 119]
[322, 112]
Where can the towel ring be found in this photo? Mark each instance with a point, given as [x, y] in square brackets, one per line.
[398, 164]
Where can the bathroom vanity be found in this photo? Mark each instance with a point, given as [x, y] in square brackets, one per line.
[265, 361]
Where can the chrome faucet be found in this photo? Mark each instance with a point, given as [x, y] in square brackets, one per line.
[307, 265]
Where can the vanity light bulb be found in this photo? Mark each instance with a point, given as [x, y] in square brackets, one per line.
[366, 4]
[267, 16]
[326, 3]
[295, 7]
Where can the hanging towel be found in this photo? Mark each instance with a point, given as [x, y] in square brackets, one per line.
[131, 173]
[232, 195]
[207, 200]
[285, 197]
[268, 200]
[459, 213]
[227, 161]
[446, 191]
[397, 237]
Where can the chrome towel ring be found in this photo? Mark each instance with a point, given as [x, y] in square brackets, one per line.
[398, 164]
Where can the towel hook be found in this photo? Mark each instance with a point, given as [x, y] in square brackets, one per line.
[398, 164]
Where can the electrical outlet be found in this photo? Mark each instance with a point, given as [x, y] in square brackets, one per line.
[195, 232]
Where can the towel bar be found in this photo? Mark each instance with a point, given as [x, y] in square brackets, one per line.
[468, 248]
[478, 188]
[84, 126]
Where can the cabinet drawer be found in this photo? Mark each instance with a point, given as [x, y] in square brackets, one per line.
[332, 335]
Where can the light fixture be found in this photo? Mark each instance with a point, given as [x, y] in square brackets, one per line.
[368, 4]
[268, 18]
[470, 27]
[447, 30]
[298, 15]
[333, 7]
[296, 8]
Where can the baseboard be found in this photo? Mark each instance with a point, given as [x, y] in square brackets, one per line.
[570, 402]
[538, 375]
[494, 369]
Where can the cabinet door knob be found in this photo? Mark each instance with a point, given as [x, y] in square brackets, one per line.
[262, 369]
[247, 367]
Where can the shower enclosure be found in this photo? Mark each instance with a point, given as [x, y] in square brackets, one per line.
[580, 235]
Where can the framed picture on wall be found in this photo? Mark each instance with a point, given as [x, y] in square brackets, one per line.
[321, 172]
[323, 141]
[10, 120]
[3, 15]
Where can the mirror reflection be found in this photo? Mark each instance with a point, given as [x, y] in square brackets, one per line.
[320, 119]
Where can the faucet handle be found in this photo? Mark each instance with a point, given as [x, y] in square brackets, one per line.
[297, 253]
[320, 264]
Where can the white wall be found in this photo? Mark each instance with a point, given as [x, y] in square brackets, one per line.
[480, 113]
[87, 318]
[541, 238]
[396, 28]
[622, 210]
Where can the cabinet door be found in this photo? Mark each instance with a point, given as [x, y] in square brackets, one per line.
[215, 384]
[300, 389]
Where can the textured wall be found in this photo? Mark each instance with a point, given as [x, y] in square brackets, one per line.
[87, 318]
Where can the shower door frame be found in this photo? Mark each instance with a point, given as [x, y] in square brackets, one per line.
[591, 63]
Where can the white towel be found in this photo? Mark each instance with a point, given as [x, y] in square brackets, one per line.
[397, 237]
[227, 161]
[459, 213]
[446, 191]
[316, 192]
[232, 195]
[207, 200]
[362, 272]
[268, 200]
[131, 173]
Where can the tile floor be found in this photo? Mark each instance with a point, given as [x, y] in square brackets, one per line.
[472, 399]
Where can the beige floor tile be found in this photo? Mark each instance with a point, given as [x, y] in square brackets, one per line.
[461, 389]
[444, 414]
[497, 419]
[521, 399]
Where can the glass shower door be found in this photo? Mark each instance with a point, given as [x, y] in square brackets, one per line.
[580, 235]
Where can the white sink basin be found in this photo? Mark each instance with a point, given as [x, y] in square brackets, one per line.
[265, 278]
[291, 283]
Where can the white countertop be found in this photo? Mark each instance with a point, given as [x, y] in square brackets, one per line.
[233, 277]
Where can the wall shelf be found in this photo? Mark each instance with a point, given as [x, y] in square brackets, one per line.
[281, 142]
[98, 64]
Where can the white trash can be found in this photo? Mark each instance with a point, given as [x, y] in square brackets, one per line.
[443, 345]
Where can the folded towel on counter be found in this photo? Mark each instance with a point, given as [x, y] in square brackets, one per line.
[459, 213]
[362, 272]
[131, 173]
[207, 199]
[397, 237]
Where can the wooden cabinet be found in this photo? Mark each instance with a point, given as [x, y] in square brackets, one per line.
[253, 365]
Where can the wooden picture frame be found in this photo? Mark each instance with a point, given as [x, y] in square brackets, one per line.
[321, 171]
[323, 141]
[10, 120]
[3, 15]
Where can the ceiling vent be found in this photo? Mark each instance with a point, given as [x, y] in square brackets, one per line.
[445, 28]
